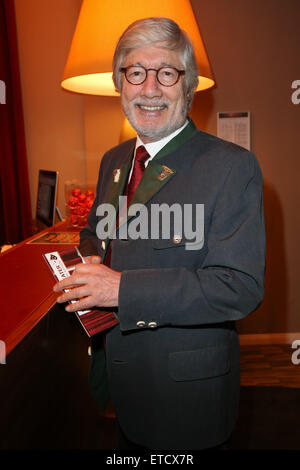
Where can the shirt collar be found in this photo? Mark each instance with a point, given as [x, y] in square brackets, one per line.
[154, 147]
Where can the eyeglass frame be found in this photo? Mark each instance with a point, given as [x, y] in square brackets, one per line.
[180, 73]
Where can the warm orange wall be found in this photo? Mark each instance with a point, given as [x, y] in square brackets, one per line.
[103, 122]
[253, 46]
[54, 118]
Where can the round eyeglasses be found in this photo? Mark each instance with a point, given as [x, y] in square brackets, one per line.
[166, 76]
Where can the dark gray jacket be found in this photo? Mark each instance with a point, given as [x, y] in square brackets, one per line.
[172, 363]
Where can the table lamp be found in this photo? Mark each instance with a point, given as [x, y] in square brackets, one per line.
[100, 24]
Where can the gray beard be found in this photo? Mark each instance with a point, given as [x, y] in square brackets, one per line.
[156, 134]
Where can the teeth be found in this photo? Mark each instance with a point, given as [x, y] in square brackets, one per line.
[151, 108]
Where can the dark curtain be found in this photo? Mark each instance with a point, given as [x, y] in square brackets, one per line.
[16, 222]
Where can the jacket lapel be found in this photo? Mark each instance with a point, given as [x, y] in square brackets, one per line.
[119, 178]
[157, 174]
[118, 182]
[178, 140]
[154, 178]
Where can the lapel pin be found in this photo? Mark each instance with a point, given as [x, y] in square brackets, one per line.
[165, 173]
[116, 173]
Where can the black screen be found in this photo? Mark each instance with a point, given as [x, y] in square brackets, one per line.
[46, 197]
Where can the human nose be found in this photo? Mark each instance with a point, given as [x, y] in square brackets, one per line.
[151, 86]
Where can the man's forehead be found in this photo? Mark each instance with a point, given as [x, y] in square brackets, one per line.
[153, 56]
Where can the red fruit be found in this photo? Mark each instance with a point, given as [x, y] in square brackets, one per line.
[90, 194]
[82, 211]
[82, 199]
[73, 202]
[89, 202]
[76, 192]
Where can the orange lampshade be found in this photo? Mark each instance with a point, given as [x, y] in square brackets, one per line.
[101, 23]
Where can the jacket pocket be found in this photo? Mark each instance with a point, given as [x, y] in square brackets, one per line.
[204, 363]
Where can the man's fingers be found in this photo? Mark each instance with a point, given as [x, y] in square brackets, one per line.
[70, 282]
[82, 304]
[93, 269]
[96, 284]
[92, 259]
[73, 294]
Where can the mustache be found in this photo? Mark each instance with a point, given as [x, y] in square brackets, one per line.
[154, 102]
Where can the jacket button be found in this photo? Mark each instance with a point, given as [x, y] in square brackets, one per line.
[140, 323]
[152, 324]
[177, 239]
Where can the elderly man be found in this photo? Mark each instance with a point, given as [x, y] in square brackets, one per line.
[171, 364]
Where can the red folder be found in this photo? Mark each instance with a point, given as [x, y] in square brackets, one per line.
[62, 264]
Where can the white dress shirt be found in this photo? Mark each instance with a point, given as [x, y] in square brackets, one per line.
[154, 147]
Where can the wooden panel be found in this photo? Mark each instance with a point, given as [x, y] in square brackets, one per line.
[269, 365]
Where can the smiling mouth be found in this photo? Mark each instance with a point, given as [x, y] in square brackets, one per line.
[151, 108]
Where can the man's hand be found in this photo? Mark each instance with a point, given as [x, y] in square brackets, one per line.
[93, 284]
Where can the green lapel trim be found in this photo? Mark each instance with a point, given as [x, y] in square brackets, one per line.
[151, 181]
[156, 174]
[178, 140]
[154, 178]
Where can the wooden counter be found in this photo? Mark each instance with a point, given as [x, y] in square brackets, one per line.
[46, 401]
[26, 285]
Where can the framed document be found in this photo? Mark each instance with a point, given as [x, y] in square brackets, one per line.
[235, 127]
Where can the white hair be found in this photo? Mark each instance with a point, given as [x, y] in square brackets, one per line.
[160, 32]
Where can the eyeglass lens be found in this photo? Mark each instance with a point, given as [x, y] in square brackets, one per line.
[166, 75]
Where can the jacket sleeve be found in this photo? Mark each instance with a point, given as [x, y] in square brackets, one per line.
[230, 282]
